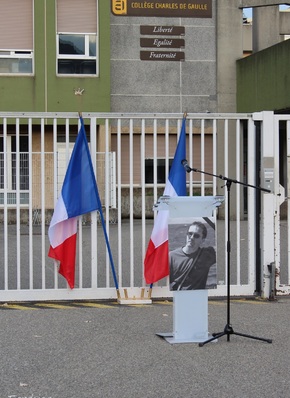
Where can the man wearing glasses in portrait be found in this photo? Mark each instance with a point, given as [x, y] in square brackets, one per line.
[190, 265]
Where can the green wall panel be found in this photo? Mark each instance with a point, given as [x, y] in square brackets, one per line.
[263, 80]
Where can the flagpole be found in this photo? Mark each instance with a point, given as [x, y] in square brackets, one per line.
[109, 251]
[150, 290]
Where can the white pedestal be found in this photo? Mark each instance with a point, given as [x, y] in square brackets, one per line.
[190, 317]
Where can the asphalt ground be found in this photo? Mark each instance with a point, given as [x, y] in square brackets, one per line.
[104, 349]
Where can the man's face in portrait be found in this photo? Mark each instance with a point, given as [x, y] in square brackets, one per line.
[194, 238]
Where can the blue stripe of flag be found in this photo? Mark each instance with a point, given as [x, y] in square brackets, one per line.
[79, 191]
[177, 174]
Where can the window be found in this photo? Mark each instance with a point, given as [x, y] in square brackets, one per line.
[161, 171]
[77, 39]
[16, 37]
[12, 171]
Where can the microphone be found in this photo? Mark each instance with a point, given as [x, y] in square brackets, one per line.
[186, 166]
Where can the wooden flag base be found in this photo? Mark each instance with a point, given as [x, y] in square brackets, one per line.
[135, 296]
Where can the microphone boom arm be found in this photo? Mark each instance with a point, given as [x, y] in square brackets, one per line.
[221, 177]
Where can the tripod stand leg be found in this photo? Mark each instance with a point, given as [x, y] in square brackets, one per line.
[253, 337]
[215, 336]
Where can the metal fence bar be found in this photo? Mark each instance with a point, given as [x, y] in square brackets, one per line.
[132, 238]
[214, 151]
[167, 155]
[190, 156]
[80, 252]
[166, 148]
[251, 195]
[202, 164]
[288, 199]
[18, 251]
[155, 155]
[226, 173]
[94, 248]
[55, 191]
[80, 243]
[143, 194]
[238, 201]
[5, 215]
[42, 173]
[119, 194]
[30, 165]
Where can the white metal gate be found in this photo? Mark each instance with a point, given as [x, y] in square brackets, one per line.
[223, 144]
[275, 209]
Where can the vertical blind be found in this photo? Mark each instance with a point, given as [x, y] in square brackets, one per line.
[77, 16]
[16, 24]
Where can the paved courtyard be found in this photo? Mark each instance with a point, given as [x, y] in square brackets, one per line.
[103, 349]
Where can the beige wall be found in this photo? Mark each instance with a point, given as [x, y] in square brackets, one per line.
[161, 153]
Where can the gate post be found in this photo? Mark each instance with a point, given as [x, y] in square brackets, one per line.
[269, 180]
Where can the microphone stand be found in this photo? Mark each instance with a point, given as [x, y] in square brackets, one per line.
[228, 330]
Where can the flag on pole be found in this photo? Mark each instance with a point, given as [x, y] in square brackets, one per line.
[79, 195]
[156, 262]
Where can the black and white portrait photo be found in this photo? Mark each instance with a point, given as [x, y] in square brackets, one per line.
[192, 253]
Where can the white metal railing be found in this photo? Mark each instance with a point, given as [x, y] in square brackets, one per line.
[26, 271]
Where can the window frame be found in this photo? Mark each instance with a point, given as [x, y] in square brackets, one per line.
[11, 160]
[78, 27]
[78, 57]
[17, 55]
[17, 38]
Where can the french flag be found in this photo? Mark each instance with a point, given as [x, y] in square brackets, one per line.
[156, 263]
[79, 195]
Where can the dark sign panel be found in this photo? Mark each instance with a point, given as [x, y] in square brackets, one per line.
[163, 8]
[162, 30]
[162, 43]
[161, 56]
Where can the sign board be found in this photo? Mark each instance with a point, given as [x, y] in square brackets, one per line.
[157, 30]
[162, 8]
[162, 43]
[162, 56]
